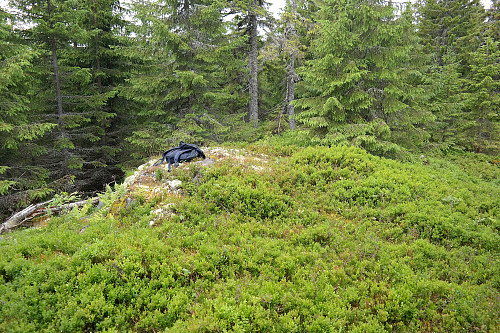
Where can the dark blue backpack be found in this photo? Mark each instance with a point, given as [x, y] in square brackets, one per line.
[185, 152]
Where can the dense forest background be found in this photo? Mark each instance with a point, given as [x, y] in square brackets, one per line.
[88, 88]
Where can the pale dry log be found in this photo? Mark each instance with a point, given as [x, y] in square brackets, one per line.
[72, 205]
[23, 217]
[19, 218]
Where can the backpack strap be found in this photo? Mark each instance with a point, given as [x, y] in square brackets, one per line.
[169, 165]
[164, 157]
[160, 161]
[179, 153]
[170, 160]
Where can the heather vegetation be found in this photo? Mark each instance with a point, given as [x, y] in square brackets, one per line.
[311, 239]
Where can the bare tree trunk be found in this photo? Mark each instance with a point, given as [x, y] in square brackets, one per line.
[57, 79]
[291, 76]
[253, 109]
[96, 40]
[24, 217]
[290, 92]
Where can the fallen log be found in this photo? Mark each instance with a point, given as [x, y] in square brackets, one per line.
[19, 218]
[23, 217]
[57, 209]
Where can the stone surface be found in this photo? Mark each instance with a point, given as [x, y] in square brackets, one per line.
[174, 184]
[155, 181]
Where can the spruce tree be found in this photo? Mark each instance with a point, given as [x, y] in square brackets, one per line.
[494, 19]
[444, 98]
[250, 15]
[70, 88]
[185, 73]
[361, 86]
[482, 98]
[453, 37]
[94, 73]
[18, 128]
[282, 51]
[449, 24]
[47, 26]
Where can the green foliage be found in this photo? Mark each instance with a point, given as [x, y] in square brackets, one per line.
[64, 198]
[5, 184]
[147, 142]
[450, 25]
[445, 101]
[159, 174]
[82, 89]
[361, 86]
[320, 239]
[462, 73]
[483, 99]
[58, 97]
[186, 78]
[18, 128]
[289, 139]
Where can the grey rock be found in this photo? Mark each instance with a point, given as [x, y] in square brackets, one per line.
[174, 184]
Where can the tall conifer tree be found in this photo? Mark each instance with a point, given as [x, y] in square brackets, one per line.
[18, 127]
[494, 19]
[250, 15]
[71, 92]
[361, 86]
[454, 38]
[185, 72]
[482, 98]
[450, 24]
[291, 75]
[444, 98]
[95, 71]
[287, 44]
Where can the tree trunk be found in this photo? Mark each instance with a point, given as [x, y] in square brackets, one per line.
[57, 79]
[253, 109]
[291, 75]
[96, 40]
[290, 92]
[24, 217]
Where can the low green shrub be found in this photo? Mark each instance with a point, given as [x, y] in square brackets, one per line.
[320, 240]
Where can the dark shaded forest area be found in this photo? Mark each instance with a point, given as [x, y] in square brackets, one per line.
[89, 88]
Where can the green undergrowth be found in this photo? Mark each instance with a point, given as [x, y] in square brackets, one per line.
[313, 240]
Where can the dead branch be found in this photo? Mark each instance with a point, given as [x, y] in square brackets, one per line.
[24, 217]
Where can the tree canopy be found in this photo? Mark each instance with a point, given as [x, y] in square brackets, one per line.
[89, 87]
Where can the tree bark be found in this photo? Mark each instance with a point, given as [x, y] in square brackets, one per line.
[57, 79]
[253, 109]
[96, 40]
[21, 217]
[291, 75]
[60, 112]
[24, 217]
[290, 92]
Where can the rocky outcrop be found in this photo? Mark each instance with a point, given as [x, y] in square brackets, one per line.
[148, 181]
